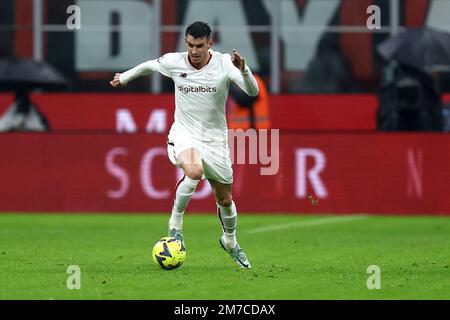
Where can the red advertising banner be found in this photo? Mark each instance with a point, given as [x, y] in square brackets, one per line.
[154, 113]
[347, 173]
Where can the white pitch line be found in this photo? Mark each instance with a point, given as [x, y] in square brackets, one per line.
[302, 224]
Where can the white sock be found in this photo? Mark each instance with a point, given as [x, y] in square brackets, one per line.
[184, 190]
[228, 218]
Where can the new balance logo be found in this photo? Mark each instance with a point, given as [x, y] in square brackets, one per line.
[183, 75]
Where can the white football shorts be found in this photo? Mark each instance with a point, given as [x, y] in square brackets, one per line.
[215, 157]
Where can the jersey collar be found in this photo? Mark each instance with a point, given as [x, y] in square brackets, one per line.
[211, 54]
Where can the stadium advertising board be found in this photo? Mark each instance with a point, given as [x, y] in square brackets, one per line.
[130, 113]
[345, 173]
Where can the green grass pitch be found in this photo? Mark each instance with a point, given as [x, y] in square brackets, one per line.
[294, 257]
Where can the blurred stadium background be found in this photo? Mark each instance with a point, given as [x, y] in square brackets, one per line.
[104, 149]
[358, 132]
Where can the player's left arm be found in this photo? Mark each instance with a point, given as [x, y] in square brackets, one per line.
[242, 75]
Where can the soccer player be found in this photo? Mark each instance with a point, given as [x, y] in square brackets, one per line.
[198, 139]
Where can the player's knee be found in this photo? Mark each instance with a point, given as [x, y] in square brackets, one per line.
[225, 201]
[194, 172]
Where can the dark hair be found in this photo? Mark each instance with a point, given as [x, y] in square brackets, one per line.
[199, 30]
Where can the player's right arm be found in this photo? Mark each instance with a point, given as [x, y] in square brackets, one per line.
[144, 69]
[163, 65]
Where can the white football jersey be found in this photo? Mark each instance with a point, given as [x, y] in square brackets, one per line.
[200, 94]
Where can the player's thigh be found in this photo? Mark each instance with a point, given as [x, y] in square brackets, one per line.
[217, 164]
[191, 163]
[222, 192]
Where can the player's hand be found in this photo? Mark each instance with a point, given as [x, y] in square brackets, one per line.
[116, 82]
[238, 60]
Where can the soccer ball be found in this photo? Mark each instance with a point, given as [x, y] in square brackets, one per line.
[169, 253]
